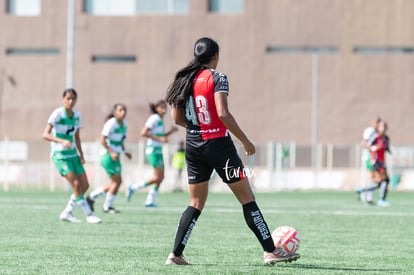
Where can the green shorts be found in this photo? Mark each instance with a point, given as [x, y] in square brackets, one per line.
[68, 165]
[369, 165]
[154, 156]
[111, 167]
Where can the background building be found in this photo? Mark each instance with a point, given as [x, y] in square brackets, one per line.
[128, 51]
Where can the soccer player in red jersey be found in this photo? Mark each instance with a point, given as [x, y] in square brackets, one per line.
[198, 96]
[378, 146]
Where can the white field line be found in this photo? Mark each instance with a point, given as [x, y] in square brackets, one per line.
[324, 212]
[46, 205]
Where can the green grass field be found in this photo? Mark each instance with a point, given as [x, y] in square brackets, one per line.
[339, 235]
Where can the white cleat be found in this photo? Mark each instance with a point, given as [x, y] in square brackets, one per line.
[383, 203]
[93, 219]
[68, 217]
[129, 193]
[111, 210]
[176, 260]
[277, 256]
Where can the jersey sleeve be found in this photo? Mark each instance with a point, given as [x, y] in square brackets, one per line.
[107, 128]
[372, 139]
[221, 83]
[367, 133]
[151, 121]
[53, 118]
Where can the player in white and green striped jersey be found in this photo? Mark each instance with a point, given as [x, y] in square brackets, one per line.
[154, 131]
[112, 140]
[62, 130]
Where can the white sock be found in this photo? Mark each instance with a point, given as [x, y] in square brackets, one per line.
[139, 185]
[84, 206]
[109, 200]
[97, 193]
[71, 205]
[152, 193]
[370, 195]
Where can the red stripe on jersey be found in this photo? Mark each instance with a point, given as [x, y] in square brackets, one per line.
[204, 88]
[381, 144]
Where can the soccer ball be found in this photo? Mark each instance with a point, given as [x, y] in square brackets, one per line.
[286, 238]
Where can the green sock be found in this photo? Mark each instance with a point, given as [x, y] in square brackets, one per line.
[81, 197]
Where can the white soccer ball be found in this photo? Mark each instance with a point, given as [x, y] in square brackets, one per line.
[286, 238]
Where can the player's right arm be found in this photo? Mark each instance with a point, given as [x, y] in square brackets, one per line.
[178, 116]
[146, 132]
[105, 145]
[49, 137]
[106, 131]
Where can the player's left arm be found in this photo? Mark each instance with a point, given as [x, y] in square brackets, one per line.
[230, 122]
[387, 144]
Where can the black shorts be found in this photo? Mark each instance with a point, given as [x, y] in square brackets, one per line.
[379, 166]
[220, 154]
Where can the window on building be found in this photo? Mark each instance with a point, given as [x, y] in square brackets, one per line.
[226, 6]
[133, 7]
[110, 7]
[32, 51]
[24, 7]
[301, 50]
[383, 50]
[114, 58]
[162, 6]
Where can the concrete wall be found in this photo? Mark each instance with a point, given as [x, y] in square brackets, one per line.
[270, 93]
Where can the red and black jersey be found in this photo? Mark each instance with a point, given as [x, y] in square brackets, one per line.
[202, 121]
[382, 144]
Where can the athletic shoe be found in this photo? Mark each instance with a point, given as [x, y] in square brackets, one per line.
[383, 203]
[176, 260]
[111, 210]
[361, 195]
[90, 202]
[93, 219]
[151, 205]
[278, 255]
[370, 202]
[358, 193]
[68, 217]
[129, 193]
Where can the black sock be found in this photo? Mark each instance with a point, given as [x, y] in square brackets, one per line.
[257, 224]
[185, 226]
[384, 188]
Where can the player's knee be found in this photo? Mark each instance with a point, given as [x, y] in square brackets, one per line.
[85, 186]
[198, 202]
[160, 178]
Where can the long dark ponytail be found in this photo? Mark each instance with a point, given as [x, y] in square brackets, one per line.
[181, 88]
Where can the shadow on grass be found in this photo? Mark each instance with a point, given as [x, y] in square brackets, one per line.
[316, 267]
[310, 266]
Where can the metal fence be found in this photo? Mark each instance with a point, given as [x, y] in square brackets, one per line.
[26, 164]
